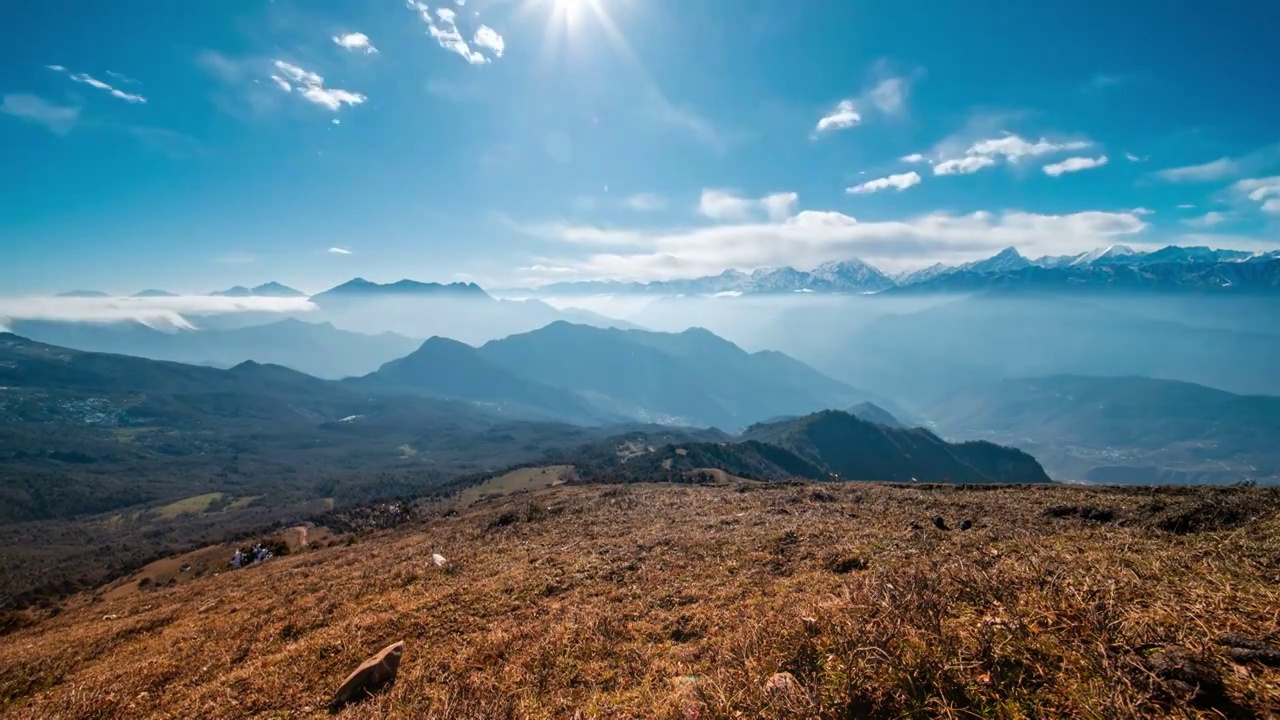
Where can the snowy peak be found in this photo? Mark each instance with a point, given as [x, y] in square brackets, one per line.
[1006, 260]
[1111, 252]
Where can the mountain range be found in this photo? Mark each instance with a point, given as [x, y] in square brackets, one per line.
[1123, 429]
[318, 349]
[589, 374]
[1117, 266]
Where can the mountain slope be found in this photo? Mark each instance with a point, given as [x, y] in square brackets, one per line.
[693, 377]
[449, 369]
[1083, 423]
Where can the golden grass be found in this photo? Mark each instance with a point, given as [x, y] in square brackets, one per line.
[654, 601]
[240, 503]
[194, 505]
[522, 479]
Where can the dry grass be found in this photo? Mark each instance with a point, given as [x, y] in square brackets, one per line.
[681, 602]
[188, 506]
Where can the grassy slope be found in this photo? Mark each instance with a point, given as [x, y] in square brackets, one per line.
[680, 602]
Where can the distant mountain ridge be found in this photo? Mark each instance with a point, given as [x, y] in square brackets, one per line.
[691, 378]
[1116, 266]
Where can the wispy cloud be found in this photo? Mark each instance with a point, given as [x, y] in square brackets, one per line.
[726, 206]
[1074, 164]
[1186, 206]
[842, 117]
[646, 202]
[1132, 158]
[914, 158]
[1206, 220]
[1104, 81]
[898, 182]
[443, 26]
[96, 83]
[340, 251]
[58, 119]
[357, 41]
[311, 87]
[1265, 190]
[889, 95]
[1213, 170]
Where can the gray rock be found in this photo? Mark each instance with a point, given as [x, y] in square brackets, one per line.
[373, 675]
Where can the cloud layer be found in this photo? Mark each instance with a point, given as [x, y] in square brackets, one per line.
[810, 237]
[158, 312]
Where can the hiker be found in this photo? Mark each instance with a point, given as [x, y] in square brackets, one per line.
[237, 560]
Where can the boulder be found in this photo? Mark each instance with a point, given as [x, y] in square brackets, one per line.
[1191, 676]
[782, 685]
[373, 675]
[939, 523]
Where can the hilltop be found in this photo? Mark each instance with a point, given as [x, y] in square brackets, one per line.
[662, 601]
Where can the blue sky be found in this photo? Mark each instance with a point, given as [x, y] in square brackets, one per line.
[520, 141]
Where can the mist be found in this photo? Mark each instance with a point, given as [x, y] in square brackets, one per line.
[161, 313]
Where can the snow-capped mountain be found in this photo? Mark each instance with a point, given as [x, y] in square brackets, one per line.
[1111, 254]
[1119, 266]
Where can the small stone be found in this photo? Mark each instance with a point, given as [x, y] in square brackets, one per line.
[939, 523]
[782, 684]
[438, 560]
[966, 524]
[373, 675]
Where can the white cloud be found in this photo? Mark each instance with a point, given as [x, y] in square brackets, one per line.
[1141, 211]
[725, 206]
[355, 41]
[963, 165]
[1215, 170]
[913, 158]
[487, 37]
[842, 117]
[159, 312]
[58, 119]
[1074, 164]
[1131, 157]
[646, 202]
[899, 182]
[1265, 190]
[889, 95]
[808, 238]
[339, 251]
[444, 28]
[1015, 148]
[988, 152]
[311, 87]
[1185, 206]
[1207, 220]
[96, 83]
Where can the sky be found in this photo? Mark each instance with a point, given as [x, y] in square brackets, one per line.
[194, 146]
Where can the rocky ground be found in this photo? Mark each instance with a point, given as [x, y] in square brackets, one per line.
[715, 601]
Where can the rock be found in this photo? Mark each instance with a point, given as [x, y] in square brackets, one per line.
[782, 684]
[1245, 649]
[966, 524]
[110, 617]
[438, 560]
[373, 675]
[1188, 675]
[939, 523]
